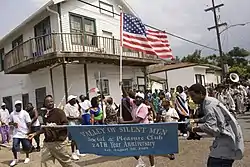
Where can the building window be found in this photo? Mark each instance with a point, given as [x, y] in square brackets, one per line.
[40, 95]
[89, 31]
[18, 41]
[106, 9]
[200, 79]
[105, 86]
[76, 29]
[1, 59]
[141, 84]
[83, 25]
[127, 84]
[8, 101]
[43, 35]
[25, 99]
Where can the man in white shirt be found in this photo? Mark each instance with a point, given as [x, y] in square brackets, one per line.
[4, 121]
[85, 104]
[21, 121]
[73, 114]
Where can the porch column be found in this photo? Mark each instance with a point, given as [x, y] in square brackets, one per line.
[65, 81]
[145, 77]
[86, 79]
[166, 75]
[51, 81]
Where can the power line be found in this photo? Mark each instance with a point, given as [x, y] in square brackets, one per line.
[149, 26]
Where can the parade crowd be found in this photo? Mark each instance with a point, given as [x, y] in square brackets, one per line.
[180, 104]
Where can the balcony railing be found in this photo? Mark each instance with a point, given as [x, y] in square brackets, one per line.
[67, 42]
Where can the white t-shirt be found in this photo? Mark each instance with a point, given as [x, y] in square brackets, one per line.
[85, 105]
[169, 114]
[5, 116]
[72, 111]
[21, 118]
[168, 96]
[36, 123]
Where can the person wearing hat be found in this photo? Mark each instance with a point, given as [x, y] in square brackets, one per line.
[73, 114]
[21, 121]
[4, 120]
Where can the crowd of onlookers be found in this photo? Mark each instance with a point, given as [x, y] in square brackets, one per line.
[136, 107]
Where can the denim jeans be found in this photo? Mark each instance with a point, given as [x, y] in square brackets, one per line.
[216, 162]
[37, 137]
[25, 144]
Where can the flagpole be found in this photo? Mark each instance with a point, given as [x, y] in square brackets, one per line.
[121, 52]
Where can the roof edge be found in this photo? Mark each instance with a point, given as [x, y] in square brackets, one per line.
[188, 65]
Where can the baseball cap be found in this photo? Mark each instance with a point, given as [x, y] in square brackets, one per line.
[141, 95]
[18, 102]
[3, 104]
[71, 97]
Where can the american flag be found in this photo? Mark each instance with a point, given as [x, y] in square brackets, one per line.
[135, 36]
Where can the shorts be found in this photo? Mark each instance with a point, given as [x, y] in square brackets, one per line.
[25, 144]
[72, 123]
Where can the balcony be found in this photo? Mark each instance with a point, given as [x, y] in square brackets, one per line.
[54, 48]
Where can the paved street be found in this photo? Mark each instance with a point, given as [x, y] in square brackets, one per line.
[192, 154]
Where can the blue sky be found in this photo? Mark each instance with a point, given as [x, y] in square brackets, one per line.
[186, 18]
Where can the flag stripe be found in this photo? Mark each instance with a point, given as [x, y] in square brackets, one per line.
[148, 50]
[142, 38]
[145, 43]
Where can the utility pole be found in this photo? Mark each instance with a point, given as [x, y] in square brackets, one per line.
[217, 26]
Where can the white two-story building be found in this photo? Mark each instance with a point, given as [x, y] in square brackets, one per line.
[62, 48]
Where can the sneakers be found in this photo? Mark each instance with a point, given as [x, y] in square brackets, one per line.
[79, 154]
[140, 163]
[26, 161]
[75, 156]
[14, 162]
[185, 135]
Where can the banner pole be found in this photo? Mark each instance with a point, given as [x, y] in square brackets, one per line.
[65, 126]
[121, 52]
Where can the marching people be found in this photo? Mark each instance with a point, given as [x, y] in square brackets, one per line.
[21, 121]
[35, 125]
[181, 107]
[151, 111]
[193, 114]
[156, 105]
[55, 145]
[85, 103]
[111, 113]
[96, 112]
[73, 114]
[4, 123]
[219, 123]
[224, 96]
[139, 115]
[169, 114]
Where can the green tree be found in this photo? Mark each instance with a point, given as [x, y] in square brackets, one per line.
[235, 58]
[196, 57]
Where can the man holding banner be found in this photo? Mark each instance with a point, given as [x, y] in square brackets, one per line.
[55, 137]
[228, 145]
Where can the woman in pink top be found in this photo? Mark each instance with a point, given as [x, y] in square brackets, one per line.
[140, 115]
